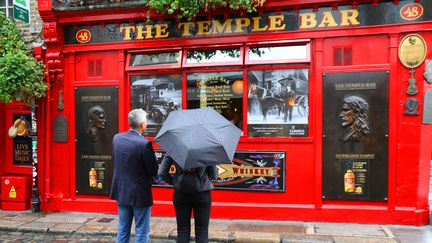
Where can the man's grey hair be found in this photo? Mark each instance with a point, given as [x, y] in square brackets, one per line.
[136, 117]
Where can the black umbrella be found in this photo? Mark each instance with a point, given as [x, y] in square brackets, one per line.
[198, 138]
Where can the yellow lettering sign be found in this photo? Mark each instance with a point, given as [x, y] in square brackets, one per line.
[349, 17]
[186, 26]
[241, 23]
[161, 31]
[327, 20]
[203, 27]
[307, 21]
[219, 28]
[276, 22]
[127, 32]
[140, 32]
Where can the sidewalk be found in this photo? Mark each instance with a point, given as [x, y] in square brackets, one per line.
[245, 231]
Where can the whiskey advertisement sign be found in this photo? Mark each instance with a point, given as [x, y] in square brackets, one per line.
[250, 171]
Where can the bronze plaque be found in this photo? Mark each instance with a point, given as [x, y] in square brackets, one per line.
[427, 107]
[355, 135]
[96, 114]
[60, 129]
[412, 51]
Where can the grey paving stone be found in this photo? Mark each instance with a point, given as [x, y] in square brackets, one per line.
[349, 229]
[62, 218]
[89, 229]
[36, 226]
[64, 228]
[10, 225]
[256, 237]
[306, 239]
[278, 228]
[411, 230]
[414, 239]
[24, 216]
[351, 239]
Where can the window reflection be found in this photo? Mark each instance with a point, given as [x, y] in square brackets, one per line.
[222, 91]
[213, 56]
[152, 59]
[277, 53]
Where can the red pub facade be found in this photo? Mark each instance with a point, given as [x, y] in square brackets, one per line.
[333, 98]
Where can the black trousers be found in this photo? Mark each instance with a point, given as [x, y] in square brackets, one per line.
[199, 204]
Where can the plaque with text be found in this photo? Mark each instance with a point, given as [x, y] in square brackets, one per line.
[22, 143]
[250, 171]
[427, 107]
[96, 114]
[60, 129]
[355, 136]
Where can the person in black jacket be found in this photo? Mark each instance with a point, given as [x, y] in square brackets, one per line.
[198, 200]
[134, 167]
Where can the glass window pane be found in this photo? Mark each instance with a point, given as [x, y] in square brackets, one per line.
[3, 11]
[10, 12]
[152, 59]
[277, 53]
[10, 3]
[222, 91]
[213, 56]
[278, 103]
[2, 3]
[158, 95]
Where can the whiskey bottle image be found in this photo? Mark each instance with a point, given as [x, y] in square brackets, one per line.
[349, 179]
[92, 177]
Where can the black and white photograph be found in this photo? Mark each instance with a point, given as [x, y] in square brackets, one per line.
[157, 95]
[278, 103]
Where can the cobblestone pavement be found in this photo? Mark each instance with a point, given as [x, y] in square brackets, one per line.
[16, 236]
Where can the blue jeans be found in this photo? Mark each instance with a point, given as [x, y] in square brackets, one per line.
[142, 223]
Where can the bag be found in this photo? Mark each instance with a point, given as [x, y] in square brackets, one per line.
[189, 182]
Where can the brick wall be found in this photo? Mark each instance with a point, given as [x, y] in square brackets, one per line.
[32, 32]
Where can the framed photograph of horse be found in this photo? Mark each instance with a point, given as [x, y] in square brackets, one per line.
[278, 103]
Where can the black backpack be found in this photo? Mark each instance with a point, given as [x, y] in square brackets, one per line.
[189, 181]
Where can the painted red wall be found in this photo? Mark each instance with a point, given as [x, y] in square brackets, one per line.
[372, 49]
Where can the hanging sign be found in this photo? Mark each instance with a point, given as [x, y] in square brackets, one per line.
[21, 10]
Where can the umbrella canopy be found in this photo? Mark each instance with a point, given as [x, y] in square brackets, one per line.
[198, 138]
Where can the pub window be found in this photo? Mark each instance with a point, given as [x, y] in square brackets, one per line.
[222, 91]
[278, 103]
[158, 95]
[140, 61]
[278, 54]
[6, 7]
[231, 56]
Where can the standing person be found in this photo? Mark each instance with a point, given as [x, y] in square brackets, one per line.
[192, 193]
[134, 166]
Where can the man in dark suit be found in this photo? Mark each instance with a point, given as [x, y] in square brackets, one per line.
[134, 166]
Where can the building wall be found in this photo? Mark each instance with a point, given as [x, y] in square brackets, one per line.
[32, 32]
